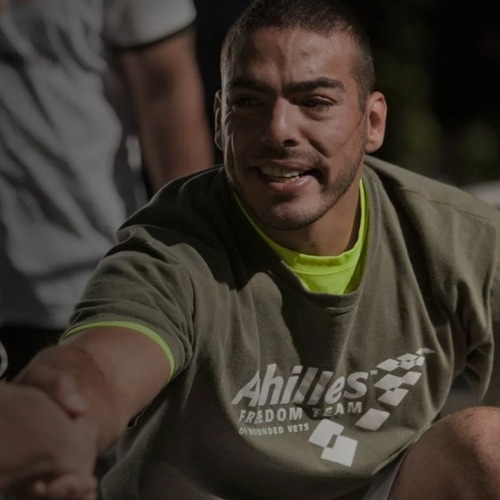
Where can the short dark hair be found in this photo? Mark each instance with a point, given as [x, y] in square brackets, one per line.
[317, 16]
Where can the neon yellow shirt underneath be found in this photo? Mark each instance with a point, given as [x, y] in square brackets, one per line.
[336, 275]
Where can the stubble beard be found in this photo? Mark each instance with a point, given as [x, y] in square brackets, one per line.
[287, 214]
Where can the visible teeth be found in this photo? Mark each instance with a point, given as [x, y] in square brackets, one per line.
[280, 172]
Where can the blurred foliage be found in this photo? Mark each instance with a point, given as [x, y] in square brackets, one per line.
[438, 64]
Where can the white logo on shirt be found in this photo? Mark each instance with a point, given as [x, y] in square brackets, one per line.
[274, 401]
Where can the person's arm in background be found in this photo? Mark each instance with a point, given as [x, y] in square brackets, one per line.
[40, 440]
[167, 94]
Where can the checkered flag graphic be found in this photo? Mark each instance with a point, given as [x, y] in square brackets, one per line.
[394, 387]
[336, 448]
[395, 384]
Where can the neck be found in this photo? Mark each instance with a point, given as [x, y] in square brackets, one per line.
[331, 235]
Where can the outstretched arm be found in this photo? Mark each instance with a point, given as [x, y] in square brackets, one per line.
[115, 372]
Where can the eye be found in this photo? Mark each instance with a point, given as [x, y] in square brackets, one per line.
[319, 104]
[245, 102]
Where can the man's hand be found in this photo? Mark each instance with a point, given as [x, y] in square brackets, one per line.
[60, 387]
[44, 452]
[67, 487]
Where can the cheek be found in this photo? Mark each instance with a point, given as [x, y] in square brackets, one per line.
[326, 141]
[338, 138]
[238, 138]
[242, 126]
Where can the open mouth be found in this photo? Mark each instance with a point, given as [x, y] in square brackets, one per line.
[282, 174]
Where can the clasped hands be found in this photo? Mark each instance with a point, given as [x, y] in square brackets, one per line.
[48, 442]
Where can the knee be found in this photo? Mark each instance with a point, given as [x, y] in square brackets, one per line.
[473, 432]
[458, 457]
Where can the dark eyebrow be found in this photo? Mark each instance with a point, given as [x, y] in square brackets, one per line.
[248, 83]
[303, 86]
[318, 83]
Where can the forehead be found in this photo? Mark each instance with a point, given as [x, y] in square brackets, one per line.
[288, 55]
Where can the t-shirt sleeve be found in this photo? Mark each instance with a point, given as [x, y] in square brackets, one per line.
[489, 369]
[471, 285]
[141, 286]
[132, 23]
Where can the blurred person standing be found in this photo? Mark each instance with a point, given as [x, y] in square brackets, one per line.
[77, 78]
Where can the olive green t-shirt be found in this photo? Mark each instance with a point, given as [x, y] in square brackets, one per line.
[277, 392]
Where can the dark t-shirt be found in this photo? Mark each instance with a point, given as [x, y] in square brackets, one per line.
[281, 393]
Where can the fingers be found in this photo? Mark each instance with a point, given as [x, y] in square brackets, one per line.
[67, 487]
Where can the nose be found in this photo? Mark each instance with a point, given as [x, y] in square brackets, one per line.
[281, 128]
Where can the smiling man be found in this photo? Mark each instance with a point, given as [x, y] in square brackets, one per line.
[294, 125]
[288, 325]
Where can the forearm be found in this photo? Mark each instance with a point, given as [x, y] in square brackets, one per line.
[169, 103]
[175, 136]
[116, 372]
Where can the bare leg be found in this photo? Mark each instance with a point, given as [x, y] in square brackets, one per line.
[458, 458]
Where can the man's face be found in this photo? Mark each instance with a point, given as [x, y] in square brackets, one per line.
[291, 126]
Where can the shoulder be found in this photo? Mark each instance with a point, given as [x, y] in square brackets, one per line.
[455, 235]
[418, 194]
[190, 217]
[197, 198]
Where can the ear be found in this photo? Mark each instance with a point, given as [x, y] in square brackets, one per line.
[376, 115]
[218, 120]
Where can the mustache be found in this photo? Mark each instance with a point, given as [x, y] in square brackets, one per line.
[269, 154]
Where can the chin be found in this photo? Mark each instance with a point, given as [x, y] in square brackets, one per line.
[290, 219]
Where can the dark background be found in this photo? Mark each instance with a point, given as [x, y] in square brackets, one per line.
[438, 64]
